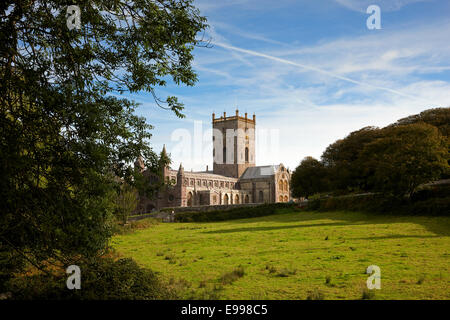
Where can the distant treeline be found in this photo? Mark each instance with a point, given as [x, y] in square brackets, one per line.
[395, 161]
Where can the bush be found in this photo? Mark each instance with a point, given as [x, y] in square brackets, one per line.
[131, 226]
[376, 203]
[101, 279]
[234, 213]
[439, 191]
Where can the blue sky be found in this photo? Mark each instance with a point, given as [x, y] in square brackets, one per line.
[311, 71]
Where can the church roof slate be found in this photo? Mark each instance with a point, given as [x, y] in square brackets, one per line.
[260, 172]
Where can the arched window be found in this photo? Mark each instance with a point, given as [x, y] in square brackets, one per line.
[225, 199]
[246, 154]
[189, 199]
[280, 185]
[280, 199]
[261, 196]
[285, 198]
[247, 199]
[236, 199]
[285, 185]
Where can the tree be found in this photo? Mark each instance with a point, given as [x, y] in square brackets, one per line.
[126, 202]
[65, 136]
[438, 117]
[405, 157]
[341, 158]
[308, 178]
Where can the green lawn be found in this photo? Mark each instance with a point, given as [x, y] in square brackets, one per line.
[287, 256]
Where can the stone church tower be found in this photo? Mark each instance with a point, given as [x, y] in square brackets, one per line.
[235, 180]
[233, 144]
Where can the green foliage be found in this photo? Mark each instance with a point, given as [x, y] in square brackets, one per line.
[438, 117]
[132, 226]
[405, 157]
[394, 160]
[436, 205]
[309, 177]
[10, 261]
[101, 279]
[234, 213]
[64, 138]
[341, 160]
[126, 202]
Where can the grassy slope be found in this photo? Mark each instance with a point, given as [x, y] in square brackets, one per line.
[405, 248]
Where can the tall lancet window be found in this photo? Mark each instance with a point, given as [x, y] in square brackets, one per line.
[224, 155]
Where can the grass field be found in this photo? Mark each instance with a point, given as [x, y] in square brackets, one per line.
[297, 255]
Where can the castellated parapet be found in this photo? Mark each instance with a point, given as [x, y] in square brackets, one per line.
[233, 144]
[235, 179]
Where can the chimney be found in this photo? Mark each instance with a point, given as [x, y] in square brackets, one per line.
[237, 113]
[224, 114]
[246, 116]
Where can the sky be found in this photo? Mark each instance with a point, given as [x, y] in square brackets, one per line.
[311, 72]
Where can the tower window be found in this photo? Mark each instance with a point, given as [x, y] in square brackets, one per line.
[246, 154]
[224, 155]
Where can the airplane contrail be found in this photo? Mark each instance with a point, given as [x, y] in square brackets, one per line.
[258, 54]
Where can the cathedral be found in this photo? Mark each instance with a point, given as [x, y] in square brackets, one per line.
[234, 179]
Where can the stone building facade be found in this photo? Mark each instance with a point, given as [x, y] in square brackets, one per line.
[234, 179]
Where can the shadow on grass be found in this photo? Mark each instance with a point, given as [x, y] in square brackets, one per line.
[396, 236]
[252, 229]
[440, 226]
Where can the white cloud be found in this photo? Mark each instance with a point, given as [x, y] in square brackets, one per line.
[315, 94]
[385, 5]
